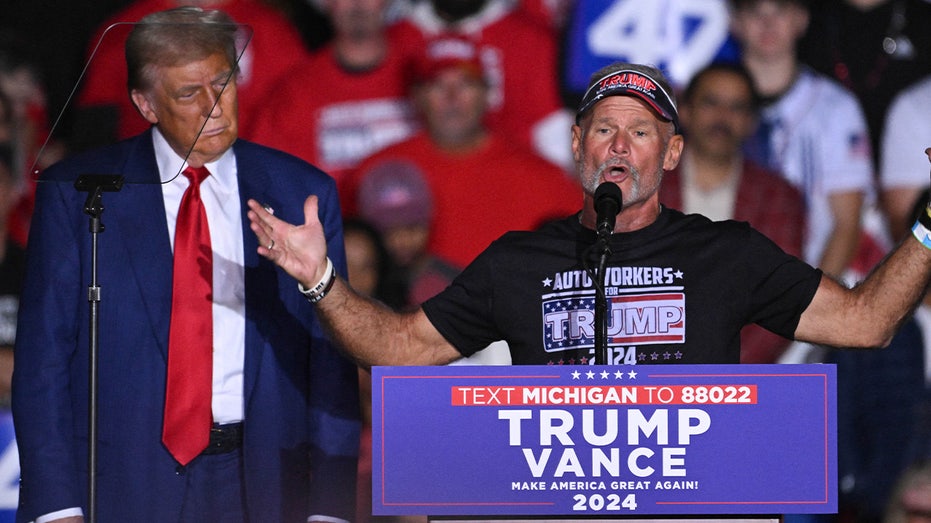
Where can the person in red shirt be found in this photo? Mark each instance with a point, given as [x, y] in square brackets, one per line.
[349, 99]
[483, 182]
[519, 56]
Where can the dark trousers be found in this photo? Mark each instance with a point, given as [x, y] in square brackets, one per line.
[215, 490]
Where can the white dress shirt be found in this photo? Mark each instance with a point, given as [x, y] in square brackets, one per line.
[220, 194]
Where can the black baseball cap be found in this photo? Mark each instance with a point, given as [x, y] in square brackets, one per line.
[628, 82]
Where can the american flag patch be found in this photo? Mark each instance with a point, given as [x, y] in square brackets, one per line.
[633, 319]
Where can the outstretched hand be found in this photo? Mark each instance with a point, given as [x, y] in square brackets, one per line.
[300, 250]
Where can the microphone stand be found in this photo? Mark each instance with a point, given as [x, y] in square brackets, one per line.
[608, 201]
[95, 185]
[601, 302]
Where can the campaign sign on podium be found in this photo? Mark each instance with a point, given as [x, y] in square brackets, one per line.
[604, 441]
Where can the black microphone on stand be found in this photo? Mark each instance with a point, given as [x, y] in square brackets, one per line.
[607, 206]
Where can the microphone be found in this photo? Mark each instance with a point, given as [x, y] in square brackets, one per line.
[607, 205]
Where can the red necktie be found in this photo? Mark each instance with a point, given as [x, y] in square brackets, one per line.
[190, 345]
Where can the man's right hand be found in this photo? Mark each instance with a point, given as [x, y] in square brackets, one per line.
[298, 249]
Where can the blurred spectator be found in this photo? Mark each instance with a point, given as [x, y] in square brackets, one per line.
[349, 99]
[519, 57]
[678, 36]
[718, 111]
[369, 263]
[483, 183]
[873, 47]
[12, 268]
[23, 112]
[812, 130]
[25, 105]
[395, 198]
[272, 49]
[365, 256]
[902, 178]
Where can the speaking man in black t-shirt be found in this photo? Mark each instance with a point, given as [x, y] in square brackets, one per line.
[678, 288]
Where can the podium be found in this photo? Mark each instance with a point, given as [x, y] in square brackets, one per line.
[627, 443]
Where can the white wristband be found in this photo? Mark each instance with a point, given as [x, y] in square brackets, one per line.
[318, 291]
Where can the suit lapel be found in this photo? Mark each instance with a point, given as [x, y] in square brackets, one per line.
[253, 183]
[143, 229]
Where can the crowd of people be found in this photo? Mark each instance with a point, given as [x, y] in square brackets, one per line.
[441, 125]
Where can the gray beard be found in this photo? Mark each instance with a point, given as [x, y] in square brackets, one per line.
[634, 175]
[637, 191]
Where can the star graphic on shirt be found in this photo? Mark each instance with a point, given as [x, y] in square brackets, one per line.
[576, 374]
[590, 375]
[604, 374]
[632, 374]
[678, 274]
[618, 375]
[547, 282]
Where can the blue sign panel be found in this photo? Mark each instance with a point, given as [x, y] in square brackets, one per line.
[603, 440]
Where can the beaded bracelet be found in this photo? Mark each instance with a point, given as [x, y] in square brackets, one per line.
[318, 291]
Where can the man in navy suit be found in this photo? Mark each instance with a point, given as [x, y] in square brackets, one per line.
[283, 402]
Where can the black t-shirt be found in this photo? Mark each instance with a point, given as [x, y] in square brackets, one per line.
[679, 292]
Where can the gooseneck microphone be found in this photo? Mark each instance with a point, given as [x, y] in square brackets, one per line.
[607, 205]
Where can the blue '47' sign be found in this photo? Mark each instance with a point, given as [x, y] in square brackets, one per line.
[678, 36]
